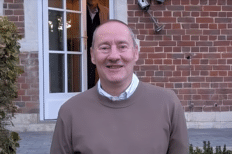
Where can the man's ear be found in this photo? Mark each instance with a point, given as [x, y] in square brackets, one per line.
[92, 56]
[136, 53]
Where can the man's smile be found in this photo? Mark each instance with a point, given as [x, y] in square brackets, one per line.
[114, 66]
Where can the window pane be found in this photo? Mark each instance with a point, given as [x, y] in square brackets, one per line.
[55, 3]
[74, 73]
[56, 76]
[73, 32]
[73, 5]
[56, 27]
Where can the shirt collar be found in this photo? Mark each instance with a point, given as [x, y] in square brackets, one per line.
[124, 95]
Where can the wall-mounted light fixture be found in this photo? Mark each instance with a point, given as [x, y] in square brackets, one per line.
[145, 6]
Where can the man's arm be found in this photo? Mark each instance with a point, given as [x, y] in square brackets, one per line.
[61, 142]
[179, 142]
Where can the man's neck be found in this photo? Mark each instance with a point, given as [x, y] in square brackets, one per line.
[115, 89]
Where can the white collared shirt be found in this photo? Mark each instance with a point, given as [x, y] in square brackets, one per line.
[125, 95]
[92, 14]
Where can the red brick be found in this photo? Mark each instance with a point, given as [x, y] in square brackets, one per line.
[159, 79]
[32, 92]
[186, 20]
[149, 73]
[224, 91]
[225, 108]
[26, 98]
[157, 55]
[214, 79]
[15, 6]
[18, 12]
[149, 67]
[13, 18]
[221, 67]
[8, 12]
[147, 49]
[212, 8]
[227, 102]
[139, 13]
[178, 79]
[133, 20]
[167, 43]
[193, 8]
[18, 1]
[206, 43]
[211, 32]
[227, 55]
[175, 8]
[146, 43]
[159, 84]
[223, 73]
[166, 67]
[145, 79]
[157, 61]
[169, 85]
[227, 8]
[221, 43]
[228, 79]
[9, 1]
[205, 91]
[204, 20]
[187, 91]
[197, 109]
[203, 67]
[196, 79]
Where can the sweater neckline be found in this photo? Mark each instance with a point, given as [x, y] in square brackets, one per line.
[119, 104]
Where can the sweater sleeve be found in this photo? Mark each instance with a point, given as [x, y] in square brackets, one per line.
[179, 142]
[61, 142]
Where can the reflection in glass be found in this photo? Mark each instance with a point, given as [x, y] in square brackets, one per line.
[56, 76]
[73, 5]
[56, 26]
[55, 3]
[74, 73]
[73, 31]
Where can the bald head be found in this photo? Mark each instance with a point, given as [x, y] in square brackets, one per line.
[113, 21]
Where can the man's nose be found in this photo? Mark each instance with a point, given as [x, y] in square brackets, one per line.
[114, 55]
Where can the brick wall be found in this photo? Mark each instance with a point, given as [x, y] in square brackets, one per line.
[192, 55]
[14, 10]
[28, 82]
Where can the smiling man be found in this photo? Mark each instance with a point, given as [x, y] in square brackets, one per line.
[120, 115]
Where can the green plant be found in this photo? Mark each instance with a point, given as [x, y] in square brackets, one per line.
[207, 149]
[9, 71]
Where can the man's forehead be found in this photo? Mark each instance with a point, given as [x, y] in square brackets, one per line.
[113, 28]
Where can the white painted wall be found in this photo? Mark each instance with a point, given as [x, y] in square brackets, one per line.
[1, 7]
[209, 119]
[120, 10]
[30, 42]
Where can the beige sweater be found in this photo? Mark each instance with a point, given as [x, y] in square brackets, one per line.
[151, 121]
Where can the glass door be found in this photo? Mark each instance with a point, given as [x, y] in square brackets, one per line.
[64, 35]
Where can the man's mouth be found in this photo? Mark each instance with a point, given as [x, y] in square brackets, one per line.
[114, 66]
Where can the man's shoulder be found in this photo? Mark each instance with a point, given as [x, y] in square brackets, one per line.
[153, 88]
[81, 99]
[156, 91]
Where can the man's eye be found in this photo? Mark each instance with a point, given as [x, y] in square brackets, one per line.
[104, 48]
[122, 47]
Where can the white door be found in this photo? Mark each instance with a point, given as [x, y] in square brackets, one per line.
[64, 52]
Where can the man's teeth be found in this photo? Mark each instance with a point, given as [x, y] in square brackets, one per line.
[114, 66]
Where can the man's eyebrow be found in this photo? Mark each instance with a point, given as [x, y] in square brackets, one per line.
[123, 42]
